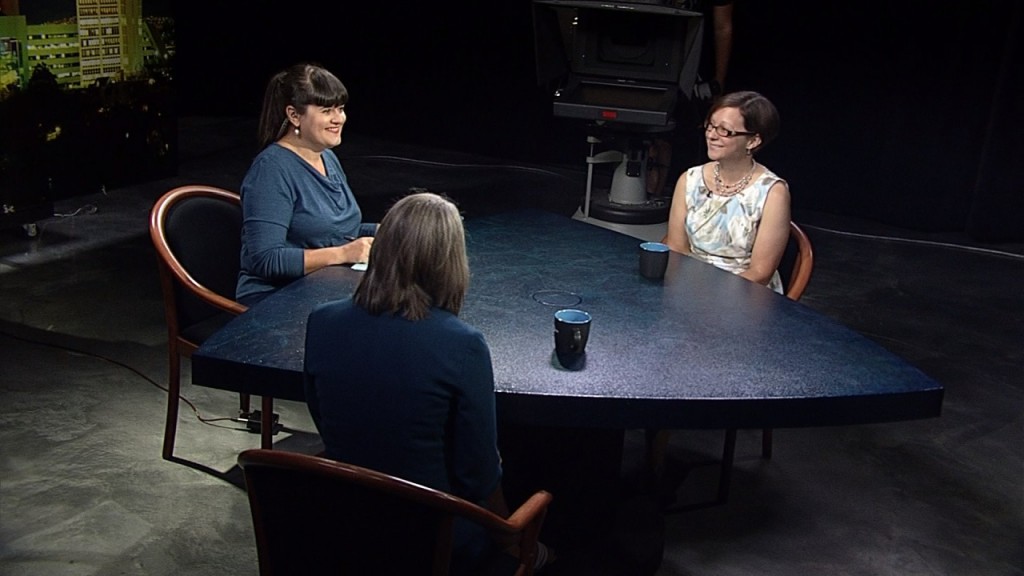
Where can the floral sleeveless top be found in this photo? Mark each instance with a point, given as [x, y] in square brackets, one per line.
[722, 229]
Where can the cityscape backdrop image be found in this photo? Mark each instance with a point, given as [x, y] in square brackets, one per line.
[85, 100]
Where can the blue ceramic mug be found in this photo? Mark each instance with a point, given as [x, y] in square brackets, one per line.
[653, 260]
[572, 330]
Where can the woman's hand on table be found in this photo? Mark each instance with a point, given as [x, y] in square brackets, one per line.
[357, 250]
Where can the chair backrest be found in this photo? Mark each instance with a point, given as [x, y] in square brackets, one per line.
[196, 231]
[317, 516]
[797, 262]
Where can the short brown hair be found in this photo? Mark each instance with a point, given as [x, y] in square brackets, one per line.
[418, 260]
[759, 114]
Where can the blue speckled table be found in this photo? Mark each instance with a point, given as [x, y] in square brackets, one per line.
[702, 349]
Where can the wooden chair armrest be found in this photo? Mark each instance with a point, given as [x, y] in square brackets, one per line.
[211, 297]
[529, 511]
[527, 520]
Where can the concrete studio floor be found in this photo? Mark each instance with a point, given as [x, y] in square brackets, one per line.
[83, 490]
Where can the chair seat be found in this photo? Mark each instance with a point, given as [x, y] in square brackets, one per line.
[499, 564]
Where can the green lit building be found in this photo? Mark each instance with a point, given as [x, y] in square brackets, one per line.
[12, 50]
[56, 47]
[106, 39]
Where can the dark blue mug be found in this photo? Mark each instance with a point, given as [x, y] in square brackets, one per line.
[653, 260]
[572, 330]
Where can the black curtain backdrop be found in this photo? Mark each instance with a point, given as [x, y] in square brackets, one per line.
[997, 199]
[899, 112]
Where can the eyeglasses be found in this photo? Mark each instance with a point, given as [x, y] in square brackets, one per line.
[725, 132]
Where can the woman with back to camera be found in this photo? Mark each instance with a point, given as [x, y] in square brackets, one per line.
[298, 211]
[733, 212]
[396, 382]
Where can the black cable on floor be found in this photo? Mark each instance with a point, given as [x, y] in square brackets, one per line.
[208, 421]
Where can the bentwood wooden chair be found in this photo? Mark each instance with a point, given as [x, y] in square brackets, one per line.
[799, 259]
[314, 516]
[196, 231]
[795, 268]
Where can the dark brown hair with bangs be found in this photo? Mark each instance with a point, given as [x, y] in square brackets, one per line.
[418, 260]
[300, 85]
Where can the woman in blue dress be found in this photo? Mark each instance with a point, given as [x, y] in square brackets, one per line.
[298, 211]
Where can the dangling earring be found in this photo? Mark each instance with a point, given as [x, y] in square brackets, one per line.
[299, 135]
[748, 149]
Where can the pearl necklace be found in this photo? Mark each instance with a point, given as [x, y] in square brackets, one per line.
[732, 189]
